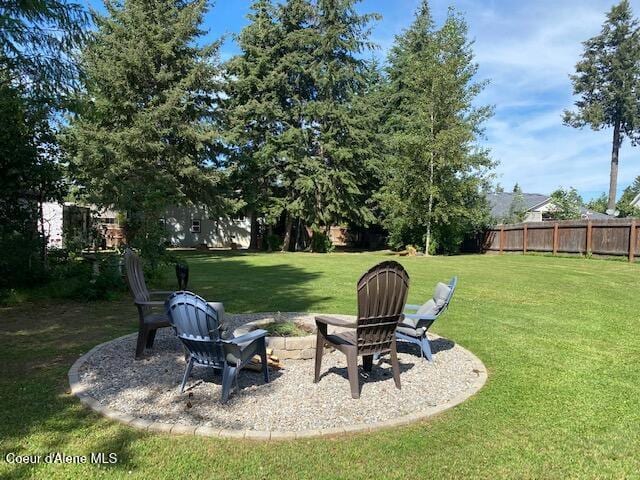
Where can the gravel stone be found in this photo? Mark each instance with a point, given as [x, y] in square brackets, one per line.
[149, 389]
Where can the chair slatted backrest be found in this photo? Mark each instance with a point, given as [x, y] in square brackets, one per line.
[382, 293]
[197, 325]
[452, 286]
[135, 278]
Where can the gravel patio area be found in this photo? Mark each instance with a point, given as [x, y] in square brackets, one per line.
[149, 388]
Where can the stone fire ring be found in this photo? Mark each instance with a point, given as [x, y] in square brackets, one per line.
[145, 394]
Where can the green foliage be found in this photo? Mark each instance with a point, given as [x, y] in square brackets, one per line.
[567, 204]
[624, 204]
[598, 204]
[607, 80]
[435, 169]
[320, 242]
[274, 242]
[146, 134]
[37, 43]
[305, 140]
[518, 208]
[30, 176]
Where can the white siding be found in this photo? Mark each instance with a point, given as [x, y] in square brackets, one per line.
[52, 215]
[214, 232]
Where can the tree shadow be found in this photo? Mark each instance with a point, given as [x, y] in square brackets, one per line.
[231, 278]
[39, 341]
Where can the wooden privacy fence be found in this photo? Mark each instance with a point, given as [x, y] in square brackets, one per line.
[616, 237]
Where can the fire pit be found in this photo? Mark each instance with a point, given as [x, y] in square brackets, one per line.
[291, 335]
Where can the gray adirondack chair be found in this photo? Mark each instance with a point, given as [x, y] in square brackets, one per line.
[382, 292]
[198, 325]
[151, 314]
[413, 328]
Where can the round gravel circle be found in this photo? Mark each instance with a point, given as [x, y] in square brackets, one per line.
[146, 393]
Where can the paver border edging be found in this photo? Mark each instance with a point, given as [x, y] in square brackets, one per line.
[262, 435]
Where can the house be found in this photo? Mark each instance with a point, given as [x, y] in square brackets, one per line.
[636, 201]
[192, 226]
[538, 207]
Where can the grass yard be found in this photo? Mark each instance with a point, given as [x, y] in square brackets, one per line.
[559, 336]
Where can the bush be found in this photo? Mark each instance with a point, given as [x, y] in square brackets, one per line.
[321, 243]
[274, 242]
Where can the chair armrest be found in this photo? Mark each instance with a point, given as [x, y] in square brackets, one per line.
[247, 337]
[336, 322]
[409, 306]
[151, 303]
[417, 316]
[164, 293]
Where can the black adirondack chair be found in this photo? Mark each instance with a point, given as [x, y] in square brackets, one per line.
[151, 313]
[198, 325]
[382, 292]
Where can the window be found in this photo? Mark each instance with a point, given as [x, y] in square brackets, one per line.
[195, 226]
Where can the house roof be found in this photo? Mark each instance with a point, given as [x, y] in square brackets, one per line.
[636, 201]
[499, 202]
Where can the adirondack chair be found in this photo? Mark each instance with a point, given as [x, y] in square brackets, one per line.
[198, 325]
[413, 328]
[149, 318]
[382, 292]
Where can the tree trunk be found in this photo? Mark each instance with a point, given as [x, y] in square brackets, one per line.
[43, 245]
[253, 243]
[288, 226]
[613, 179]
[430, 206]
[297, 245]
[269, 234]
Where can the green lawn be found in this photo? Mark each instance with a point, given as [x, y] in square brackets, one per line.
[559, 336]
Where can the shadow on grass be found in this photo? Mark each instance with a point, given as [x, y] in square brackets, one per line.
[39, 342]
[230, 277]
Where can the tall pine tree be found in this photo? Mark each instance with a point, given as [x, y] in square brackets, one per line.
[436, 170]
[255, 114]
[147, 135]
[607, 80]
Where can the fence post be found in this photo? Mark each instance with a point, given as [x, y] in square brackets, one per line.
[555, 238]
[524, 239]
[632, 240]
[501, 237]
[589, 237]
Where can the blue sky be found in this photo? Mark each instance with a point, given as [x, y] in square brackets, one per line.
[526, 49]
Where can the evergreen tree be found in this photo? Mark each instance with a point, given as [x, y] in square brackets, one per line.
[436, 171]
[517, 208]
[624, 204]
[331, 186]
[607, 80]
[255, 113]
[37, 42]
[146, 136]
[567, 204]
[598, 204]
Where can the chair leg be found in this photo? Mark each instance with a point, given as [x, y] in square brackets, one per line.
[187, 372]
[352, 370]
[319, 352]
[151, 336]
[367, 363]
[263, 358]
[425, 347]
[228, 375]
[142, 339]
[395, 366]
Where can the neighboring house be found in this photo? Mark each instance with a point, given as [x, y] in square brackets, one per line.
[636, 201]
[538, 207]
[192, 227]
